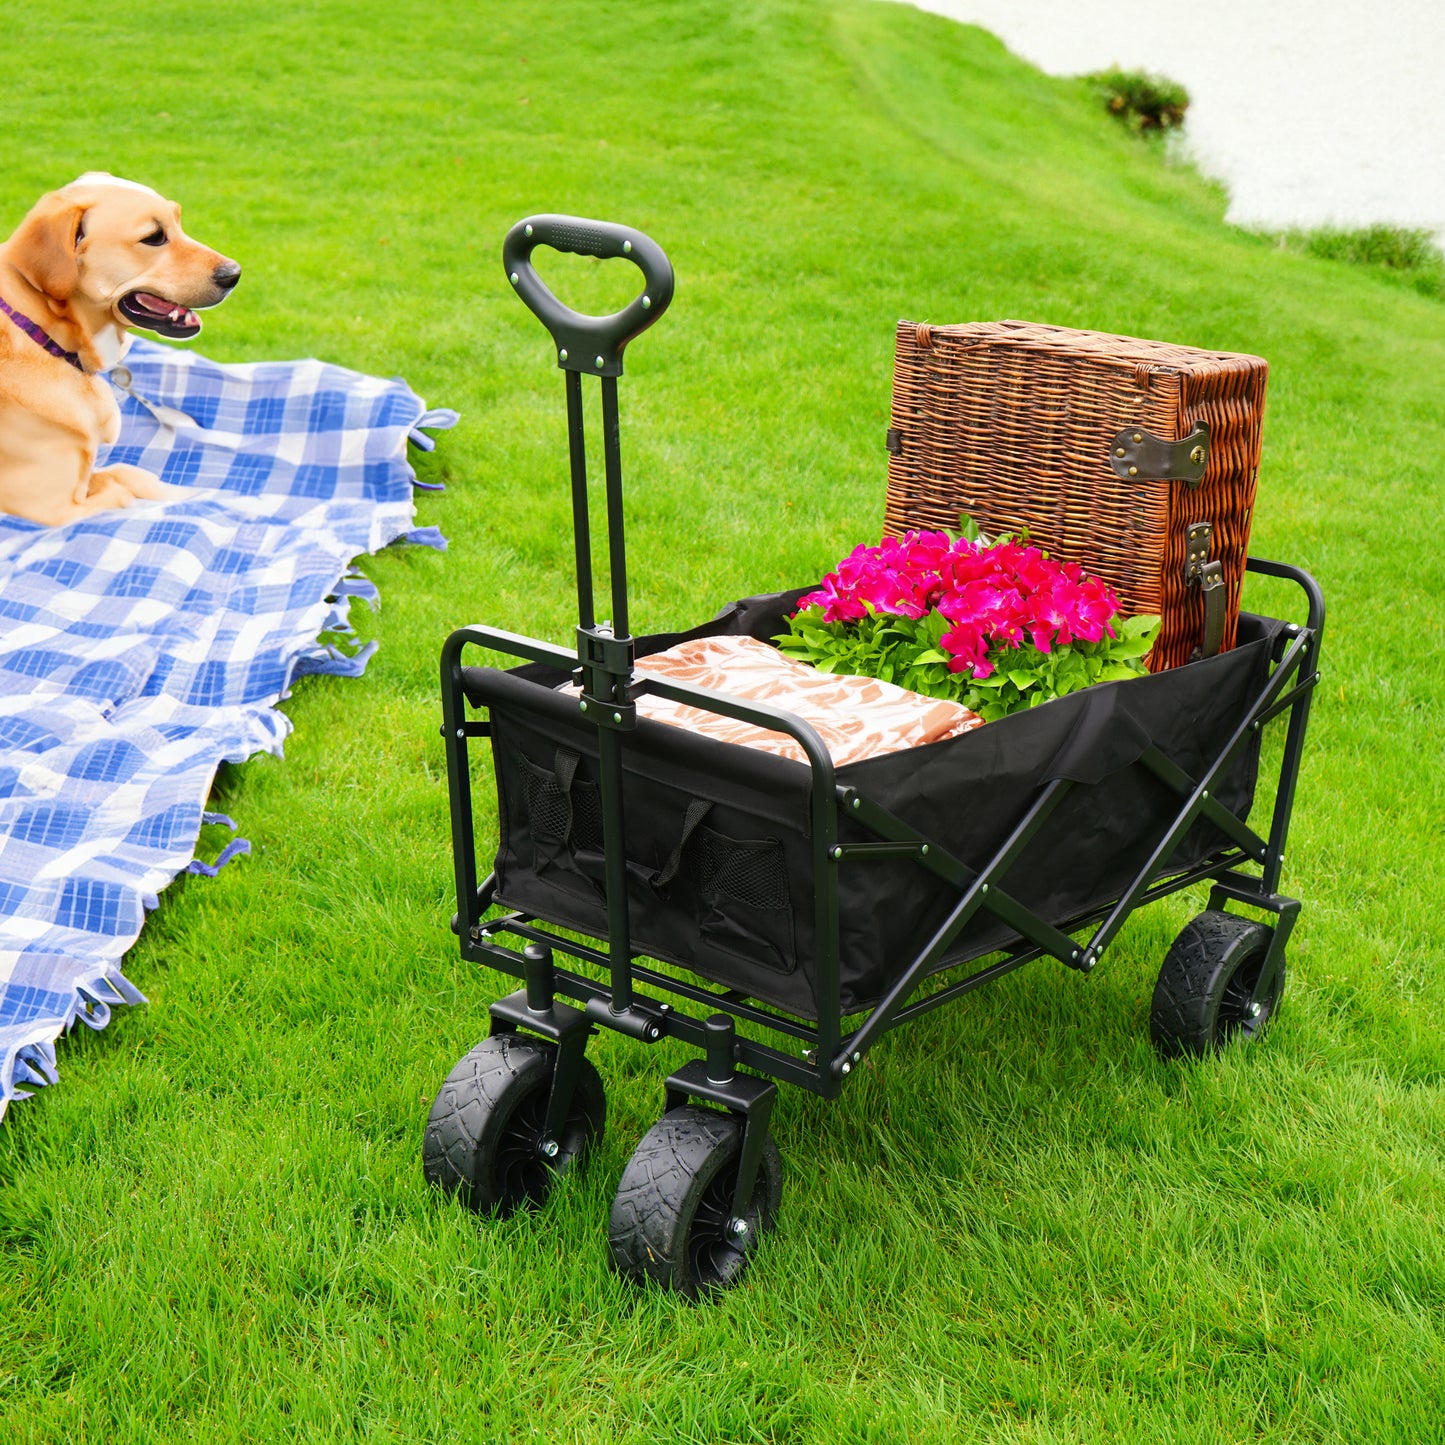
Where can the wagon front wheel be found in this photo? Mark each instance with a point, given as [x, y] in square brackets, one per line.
[1205, 994]
[485, 1139]
[672, 1220]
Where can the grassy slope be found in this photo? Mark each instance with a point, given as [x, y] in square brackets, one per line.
[1019, 1225]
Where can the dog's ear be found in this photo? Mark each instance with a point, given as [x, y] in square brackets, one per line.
[43, 247]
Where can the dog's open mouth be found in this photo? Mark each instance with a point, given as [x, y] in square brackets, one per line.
[155, 313]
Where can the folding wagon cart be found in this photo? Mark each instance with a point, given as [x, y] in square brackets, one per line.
[791, 914]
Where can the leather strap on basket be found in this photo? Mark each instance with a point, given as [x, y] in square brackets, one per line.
[1139, 456]
[1209, 576]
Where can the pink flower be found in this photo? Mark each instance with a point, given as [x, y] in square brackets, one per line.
[967, 648]
[992, 597]
[1097, 606]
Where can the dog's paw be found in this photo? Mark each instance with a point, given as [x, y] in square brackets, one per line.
[136, 482]
[102, 492]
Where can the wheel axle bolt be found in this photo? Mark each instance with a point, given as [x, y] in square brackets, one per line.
[738, 1228]
[1253, 1010]
[547, 1148]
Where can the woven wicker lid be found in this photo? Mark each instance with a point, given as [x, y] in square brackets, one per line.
[1103, 346]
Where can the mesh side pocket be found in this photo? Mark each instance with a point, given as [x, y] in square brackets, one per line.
[586, 816]
[549, 813]
[751, 872]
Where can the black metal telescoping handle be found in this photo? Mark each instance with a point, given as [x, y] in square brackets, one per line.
[594, 344]
[591, 344]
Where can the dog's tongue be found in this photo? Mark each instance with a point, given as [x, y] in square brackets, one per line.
[159, 306]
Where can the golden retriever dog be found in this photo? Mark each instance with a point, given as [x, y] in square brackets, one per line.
[91, 260]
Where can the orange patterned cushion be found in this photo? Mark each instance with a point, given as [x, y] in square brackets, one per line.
[857, 717]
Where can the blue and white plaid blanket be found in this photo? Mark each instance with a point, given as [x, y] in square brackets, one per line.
[141, 648]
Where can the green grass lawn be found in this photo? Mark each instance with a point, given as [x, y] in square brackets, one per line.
[1019, 1224]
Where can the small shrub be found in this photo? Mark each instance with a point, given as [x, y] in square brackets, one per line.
[1142, 101]
[1412, 254]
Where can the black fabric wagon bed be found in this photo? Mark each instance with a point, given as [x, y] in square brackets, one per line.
[720, 863]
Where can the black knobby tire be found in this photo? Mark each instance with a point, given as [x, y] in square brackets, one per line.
[672, 1214]
[484, 1140]
[1201, 998]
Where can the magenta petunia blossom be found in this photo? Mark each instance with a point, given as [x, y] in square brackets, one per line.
[992, 597]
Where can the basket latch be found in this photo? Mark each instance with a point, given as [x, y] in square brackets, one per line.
[1140, 456]
[1209, 577]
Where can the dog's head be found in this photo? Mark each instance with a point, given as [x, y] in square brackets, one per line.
[103, 245]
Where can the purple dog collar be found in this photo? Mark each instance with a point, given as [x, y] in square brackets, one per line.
[38, 336]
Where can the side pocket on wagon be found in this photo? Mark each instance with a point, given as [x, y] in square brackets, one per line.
[564, 816]
[743, 887]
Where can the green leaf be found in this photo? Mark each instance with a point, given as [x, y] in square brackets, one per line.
[1131, 647]
[1146, 624]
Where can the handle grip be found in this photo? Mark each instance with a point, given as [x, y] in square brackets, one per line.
[588, 343]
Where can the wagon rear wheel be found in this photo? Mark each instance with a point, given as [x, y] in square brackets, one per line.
[1202, 1000]
[485, 1140]
[672, 1220]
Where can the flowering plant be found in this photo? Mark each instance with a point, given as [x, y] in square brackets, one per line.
[998, 627]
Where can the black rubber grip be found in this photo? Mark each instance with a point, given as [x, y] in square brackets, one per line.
[588, 343]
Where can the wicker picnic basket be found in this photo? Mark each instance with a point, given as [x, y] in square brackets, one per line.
[1135, 459]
